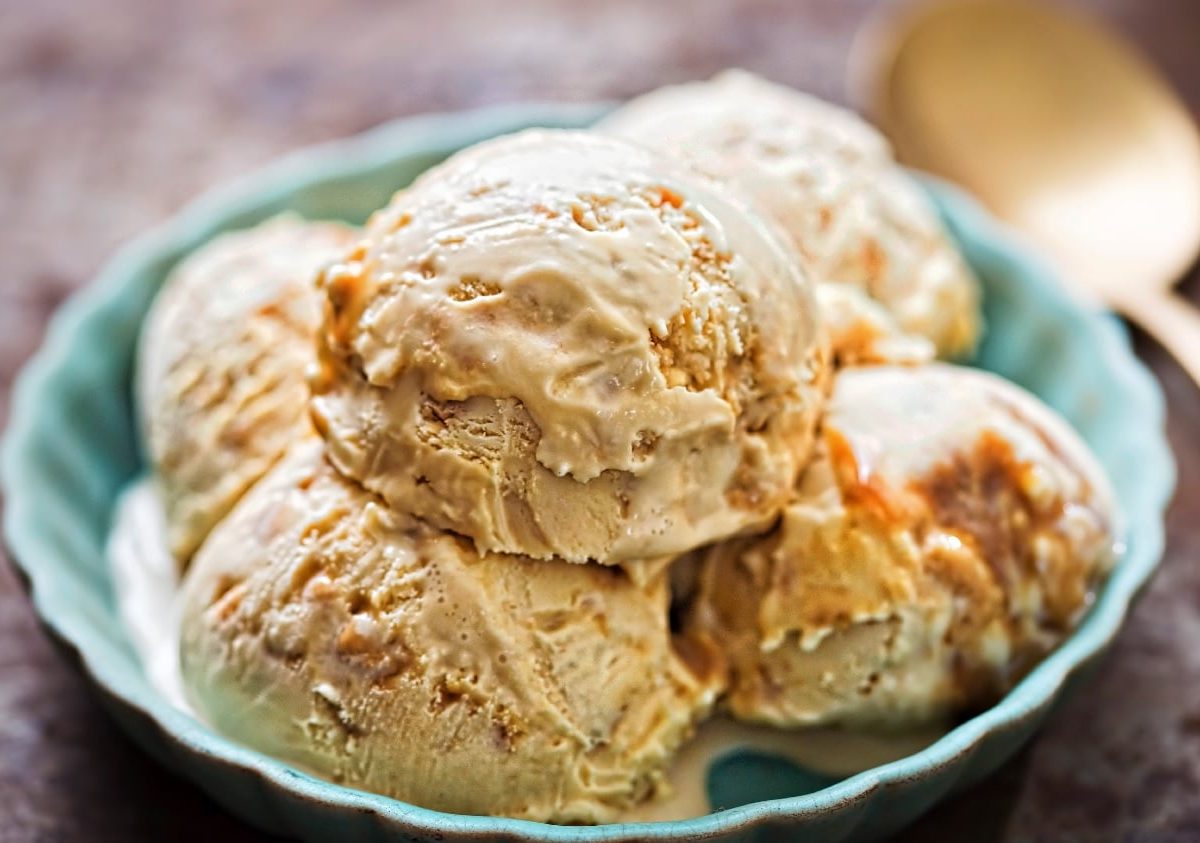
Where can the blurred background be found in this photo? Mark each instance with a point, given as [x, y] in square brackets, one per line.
[115, 113]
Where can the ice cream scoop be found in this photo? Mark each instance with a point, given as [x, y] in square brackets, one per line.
[563, 345]
[829, 179]
[221, 366]
[328, 630]
[949, 533]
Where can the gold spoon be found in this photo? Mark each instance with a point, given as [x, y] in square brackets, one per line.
[1063, 130]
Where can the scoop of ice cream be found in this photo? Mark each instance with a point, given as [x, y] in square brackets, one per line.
[559, 344]
[830, 180]
[949, 533]
[221, 366]
[324, 628]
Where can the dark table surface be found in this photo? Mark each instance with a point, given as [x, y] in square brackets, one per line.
[114, 113]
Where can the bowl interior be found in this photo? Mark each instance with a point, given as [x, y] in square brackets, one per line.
[73, 445]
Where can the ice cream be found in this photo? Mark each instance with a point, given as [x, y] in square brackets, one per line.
[562, 345]
[328, 630]
[830, 181]
[862, 332]
[221, 366]
[949, 533]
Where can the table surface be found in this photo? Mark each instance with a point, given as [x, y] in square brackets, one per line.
[116, 113]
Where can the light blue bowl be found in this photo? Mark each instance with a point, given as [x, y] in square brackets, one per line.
[72, 446]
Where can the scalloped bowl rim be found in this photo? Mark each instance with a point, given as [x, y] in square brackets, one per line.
[436, 131]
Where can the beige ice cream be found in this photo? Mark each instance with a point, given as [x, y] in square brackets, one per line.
[862, 332]
[221, 366]
[830, 181]
[330, 631]
[560, 344]
[950, 532]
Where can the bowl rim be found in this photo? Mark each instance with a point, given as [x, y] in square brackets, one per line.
[432, 132]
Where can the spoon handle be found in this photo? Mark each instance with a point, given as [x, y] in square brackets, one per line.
[1173, 321]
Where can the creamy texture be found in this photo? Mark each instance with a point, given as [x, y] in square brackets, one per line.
[949, 533]
[559, 344]
[862, 332]
[146, 579]
[830, 181]
[325, 629]
[221, 366]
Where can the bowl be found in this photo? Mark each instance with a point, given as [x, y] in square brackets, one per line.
[72, 446]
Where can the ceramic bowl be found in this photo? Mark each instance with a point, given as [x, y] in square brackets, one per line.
[72, 446]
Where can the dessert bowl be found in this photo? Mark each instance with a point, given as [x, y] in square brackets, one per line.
[73, 445]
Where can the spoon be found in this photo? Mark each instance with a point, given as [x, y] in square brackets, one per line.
[1062, 130]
